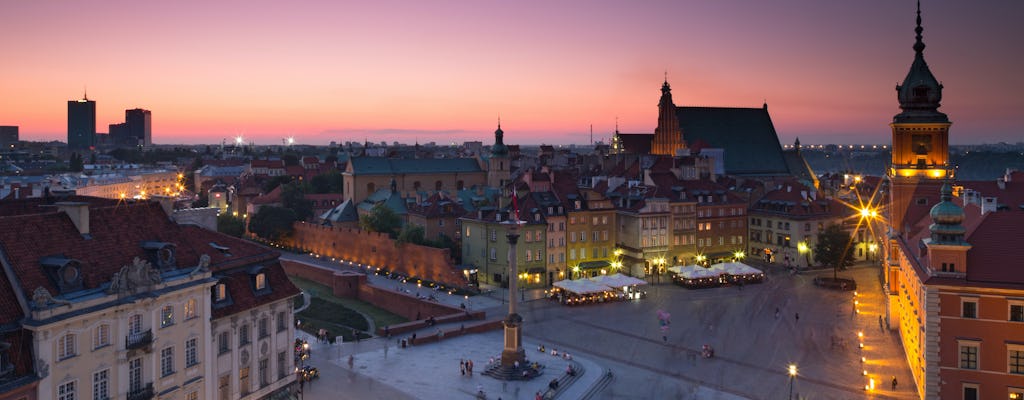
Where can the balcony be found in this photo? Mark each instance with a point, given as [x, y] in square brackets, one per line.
[143, 393]
[141, 340]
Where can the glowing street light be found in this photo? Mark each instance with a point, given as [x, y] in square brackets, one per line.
[792, 377]
[739, 255]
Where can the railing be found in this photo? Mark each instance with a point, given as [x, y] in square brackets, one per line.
[143, 393]
[139, 340]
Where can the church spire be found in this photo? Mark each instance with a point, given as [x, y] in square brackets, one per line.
[919, 44]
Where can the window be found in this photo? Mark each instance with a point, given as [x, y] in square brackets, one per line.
[193, 395]
[243, 381]
[166, 316]
[167, 361]
[970, 392]
[224, 387]
[969, 308]
[66, 391]
[243, 335]
[135, 324]
[264, 327]
[969, 355]
[66, 347]
[190, 309]
[281, 325]
[281, 370]
[101, 336]
[264, 367]
[494, 254]
[135, 374]
[1017, 312]
[1016, 358]
[220, 292]
[261, 281]
[223, 343]
[101, 385]
[191, 352]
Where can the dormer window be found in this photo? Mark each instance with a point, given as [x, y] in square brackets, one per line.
[220, 292]
[161, 254]
[64, 272]
[261, 281]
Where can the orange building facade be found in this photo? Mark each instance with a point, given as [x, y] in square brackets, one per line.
[953, 277]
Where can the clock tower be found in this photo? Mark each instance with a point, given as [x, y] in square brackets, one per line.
[920, 139]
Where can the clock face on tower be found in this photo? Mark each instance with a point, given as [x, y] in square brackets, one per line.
[922, 144]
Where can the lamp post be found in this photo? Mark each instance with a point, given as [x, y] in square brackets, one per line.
[804, 249]
[792, 377]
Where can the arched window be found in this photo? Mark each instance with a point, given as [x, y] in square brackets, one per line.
[66, 346]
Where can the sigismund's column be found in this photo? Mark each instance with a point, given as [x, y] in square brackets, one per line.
[513, 351]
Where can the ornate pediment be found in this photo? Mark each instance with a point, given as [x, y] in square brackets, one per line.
[138, 276]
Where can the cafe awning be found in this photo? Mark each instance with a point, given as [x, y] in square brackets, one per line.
[536, 270]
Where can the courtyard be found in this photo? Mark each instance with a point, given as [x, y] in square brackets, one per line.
[753, 348]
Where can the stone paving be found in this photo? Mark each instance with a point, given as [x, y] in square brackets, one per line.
[752, 348]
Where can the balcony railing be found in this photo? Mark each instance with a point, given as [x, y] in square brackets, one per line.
[143, 393]
[141, 340]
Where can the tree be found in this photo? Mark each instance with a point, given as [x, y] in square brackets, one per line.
[75, 163]
[381, 219]
[833, 249]
[231, 225]
[272, 223]
[327, 182]
[412, 234]
[290, 159]
[293, 197]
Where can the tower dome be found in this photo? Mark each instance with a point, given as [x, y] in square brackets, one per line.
[920, 93]
[947, 219]
[499, 148]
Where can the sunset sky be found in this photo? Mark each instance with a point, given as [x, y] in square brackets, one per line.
[445, 70]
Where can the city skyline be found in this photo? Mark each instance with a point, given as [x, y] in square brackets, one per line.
[444, 72]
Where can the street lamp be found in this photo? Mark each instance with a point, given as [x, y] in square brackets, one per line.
[804, 249]
[739, 255]
[700, 259]
[792, 377]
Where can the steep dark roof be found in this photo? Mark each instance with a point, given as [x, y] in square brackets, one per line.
[996, 251]
[746, 134]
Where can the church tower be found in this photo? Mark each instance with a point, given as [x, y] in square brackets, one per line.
[920, 138]
[667, 136]
[498, 165]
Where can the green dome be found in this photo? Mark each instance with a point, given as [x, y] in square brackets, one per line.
[947, 218]
[499, 148]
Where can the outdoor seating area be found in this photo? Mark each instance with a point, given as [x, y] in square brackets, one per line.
[599, 289]
[727, 273]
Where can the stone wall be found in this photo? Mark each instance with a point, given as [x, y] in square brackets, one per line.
[342, 283]
[378, 250]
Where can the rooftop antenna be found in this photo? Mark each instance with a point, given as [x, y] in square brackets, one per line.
[591, 134]
[85, 93]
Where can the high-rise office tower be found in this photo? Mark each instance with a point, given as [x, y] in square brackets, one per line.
[81, 123]
[140, 127]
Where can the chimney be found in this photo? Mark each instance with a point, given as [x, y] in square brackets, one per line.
[1001, 182]
[78, 212]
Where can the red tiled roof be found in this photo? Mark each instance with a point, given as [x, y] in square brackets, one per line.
[242, 293]
[37, 205]
[116, 233]
[996, 251]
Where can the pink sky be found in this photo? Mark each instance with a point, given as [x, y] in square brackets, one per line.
[444, 70]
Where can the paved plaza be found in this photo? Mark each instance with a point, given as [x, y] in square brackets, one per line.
[752, 346]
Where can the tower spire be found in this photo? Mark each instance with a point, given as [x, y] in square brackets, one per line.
[919, 44]
[85, 93]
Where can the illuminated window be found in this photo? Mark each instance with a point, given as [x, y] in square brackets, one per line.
[261, 281]
[166, 316]
[190, 309]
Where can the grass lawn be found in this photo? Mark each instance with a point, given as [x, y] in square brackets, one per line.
[334, 317]
[379, 316]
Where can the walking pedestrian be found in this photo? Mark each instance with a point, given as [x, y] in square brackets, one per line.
[470, 367]
[462, 367]
[894, 383]
[797, 317]
[351, 361]
[387, 331]
[881, 326]
[776, 313]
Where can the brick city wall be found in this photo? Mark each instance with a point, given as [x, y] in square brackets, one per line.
[342, 283]
[376, 249]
